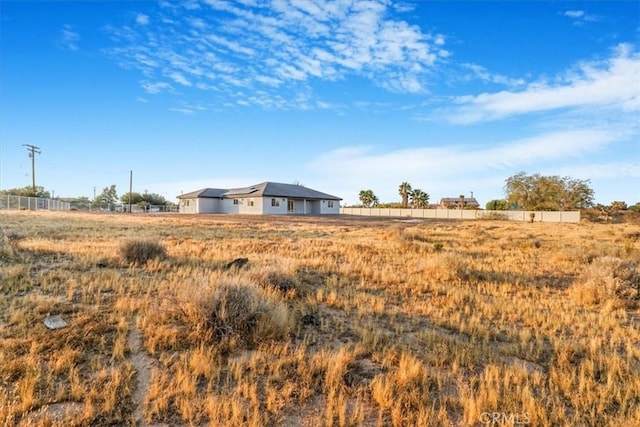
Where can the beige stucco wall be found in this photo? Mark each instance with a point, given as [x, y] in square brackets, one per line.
[539, 216]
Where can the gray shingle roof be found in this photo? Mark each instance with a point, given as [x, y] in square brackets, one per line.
[209, 193]
[277, 189]
[264, 189]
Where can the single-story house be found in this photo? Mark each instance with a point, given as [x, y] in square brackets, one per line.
[454, 203]
[267, 198]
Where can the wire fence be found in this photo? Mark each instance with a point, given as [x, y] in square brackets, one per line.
[120, 207]
[147, 208]
[23, 203]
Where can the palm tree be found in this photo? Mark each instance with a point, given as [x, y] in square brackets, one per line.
[405, 191]
[368, 198]
[419, 199]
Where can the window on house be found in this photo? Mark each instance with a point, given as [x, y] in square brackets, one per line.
[330, 204]
[236, 201]
[250, 202]
[186, 203]
[275, 202]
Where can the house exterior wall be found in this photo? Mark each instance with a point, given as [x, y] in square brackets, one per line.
[188, 206]
[302, 207]
[201, 205]
[229, 207]
[325, 207]
[250, 205]
[298, 207]
[269, 209]
[208, 205]
[258, 206]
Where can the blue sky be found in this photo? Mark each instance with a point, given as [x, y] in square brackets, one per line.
[340, 95]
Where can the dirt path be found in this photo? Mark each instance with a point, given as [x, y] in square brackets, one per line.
[142, 364]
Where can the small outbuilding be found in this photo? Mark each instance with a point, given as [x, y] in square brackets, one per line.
[267, 198]
[461, 202]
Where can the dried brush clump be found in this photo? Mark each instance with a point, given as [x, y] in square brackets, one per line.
[283, 282]
[403, 234]
[141, 251]
[447, 267]
[235, 313]
[609, 281]
[11, 239]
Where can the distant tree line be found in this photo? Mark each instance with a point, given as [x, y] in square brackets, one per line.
[548, 193]
[534, 192]
[108, 198]
[414, 197]
[27, 191]
[410, 197]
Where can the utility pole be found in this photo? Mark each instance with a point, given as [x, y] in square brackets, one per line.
[33, 150]
[130, 188]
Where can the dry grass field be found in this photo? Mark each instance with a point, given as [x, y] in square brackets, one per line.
[331, 321]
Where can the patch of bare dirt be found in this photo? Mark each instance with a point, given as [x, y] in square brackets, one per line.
[529, 367]
[142, 364]
[56, 413]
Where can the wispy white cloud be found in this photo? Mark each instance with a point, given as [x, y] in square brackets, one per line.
[179, 78]
[441, 160]
[189, 108]
[182, 110]
[599, 170]
[478, 72]
[574, 13]
[279, 46]
[68, 38]
[579, 17]
[452, 168]
[404, 7]
[142, 19]
[155, 88]
[611, 83]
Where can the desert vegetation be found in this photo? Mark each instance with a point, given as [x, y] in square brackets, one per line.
[331, 321]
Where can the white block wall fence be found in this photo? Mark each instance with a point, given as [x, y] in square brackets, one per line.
[522, 216]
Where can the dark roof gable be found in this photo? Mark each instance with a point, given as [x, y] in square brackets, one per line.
[204, 193]
[264, 189]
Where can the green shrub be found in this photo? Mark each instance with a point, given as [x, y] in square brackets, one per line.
[141, 251]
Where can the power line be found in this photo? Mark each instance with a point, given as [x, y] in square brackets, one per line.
[33, 150]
